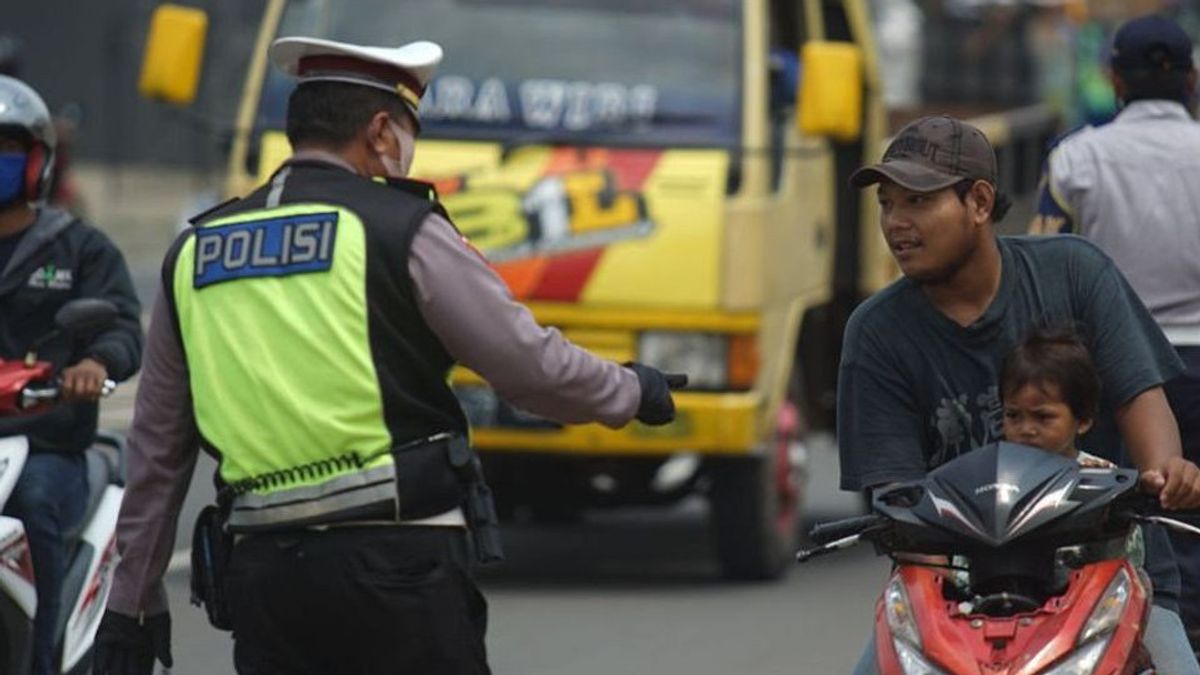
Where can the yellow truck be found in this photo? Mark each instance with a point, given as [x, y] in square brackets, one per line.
[662, 181]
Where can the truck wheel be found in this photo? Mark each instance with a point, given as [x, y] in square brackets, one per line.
[755, 507]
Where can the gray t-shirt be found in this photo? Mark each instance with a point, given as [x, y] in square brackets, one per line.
[916, 390]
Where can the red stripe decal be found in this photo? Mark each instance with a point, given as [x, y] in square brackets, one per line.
[566, 275]
[632, 167]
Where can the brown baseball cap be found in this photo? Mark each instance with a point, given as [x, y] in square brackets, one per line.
[930, 154]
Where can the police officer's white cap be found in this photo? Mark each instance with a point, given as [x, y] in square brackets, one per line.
[404, 70]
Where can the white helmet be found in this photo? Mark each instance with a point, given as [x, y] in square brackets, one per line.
[23, 111]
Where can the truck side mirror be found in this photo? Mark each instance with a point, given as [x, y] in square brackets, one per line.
[174, 53]
[831, 90]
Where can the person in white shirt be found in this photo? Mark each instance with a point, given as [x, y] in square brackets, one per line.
[1131, 187]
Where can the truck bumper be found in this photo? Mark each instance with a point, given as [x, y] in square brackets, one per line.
[707, 423]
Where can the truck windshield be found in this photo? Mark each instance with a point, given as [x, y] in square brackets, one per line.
[624, 72]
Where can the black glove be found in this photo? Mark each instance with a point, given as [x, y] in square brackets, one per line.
[657, 406]
[128, 646]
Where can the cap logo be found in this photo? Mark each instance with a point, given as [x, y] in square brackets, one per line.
[912, 144]
[410, 97]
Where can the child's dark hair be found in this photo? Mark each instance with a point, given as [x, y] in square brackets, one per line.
[1058, 358]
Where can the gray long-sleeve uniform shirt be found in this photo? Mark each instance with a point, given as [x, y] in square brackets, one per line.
[465, 304]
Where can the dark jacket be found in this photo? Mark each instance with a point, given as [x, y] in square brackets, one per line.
[58, 260]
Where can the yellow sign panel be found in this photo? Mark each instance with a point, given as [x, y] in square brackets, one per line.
[174, 54]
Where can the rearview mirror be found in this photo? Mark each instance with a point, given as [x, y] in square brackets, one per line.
[831, 90]
[174, 53]
[85, 315]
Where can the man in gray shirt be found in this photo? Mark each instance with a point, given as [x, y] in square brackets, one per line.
[1130, 187]
[918, 381]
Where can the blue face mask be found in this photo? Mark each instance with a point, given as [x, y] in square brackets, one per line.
[12, 176]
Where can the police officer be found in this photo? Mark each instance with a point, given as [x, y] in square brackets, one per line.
[303, 335]
[1129, 186]
[48, 258]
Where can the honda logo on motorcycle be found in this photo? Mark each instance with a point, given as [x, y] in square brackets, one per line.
[1006, 490]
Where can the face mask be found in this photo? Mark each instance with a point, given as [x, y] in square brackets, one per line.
[12, 177]
[398, 168]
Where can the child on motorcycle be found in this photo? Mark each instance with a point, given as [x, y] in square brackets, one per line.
[1051, 391]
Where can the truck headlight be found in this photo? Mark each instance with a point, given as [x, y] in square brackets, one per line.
[712, 361]
[700, 355]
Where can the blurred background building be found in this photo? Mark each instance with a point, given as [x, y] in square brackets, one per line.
[84, 58]
[959, 56]
[970, 57]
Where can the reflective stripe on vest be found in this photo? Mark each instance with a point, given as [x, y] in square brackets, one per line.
[318, 503]
[273, 317]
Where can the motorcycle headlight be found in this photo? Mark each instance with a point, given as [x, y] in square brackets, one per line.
[906, 638]
[899, 614]
[1108, 611]
[1081, 661]
[911, 661]
[702, 356]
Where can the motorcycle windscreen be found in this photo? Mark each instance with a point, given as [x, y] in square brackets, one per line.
[999, 492]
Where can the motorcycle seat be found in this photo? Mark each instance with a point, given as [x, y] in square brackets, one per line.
[101, 472]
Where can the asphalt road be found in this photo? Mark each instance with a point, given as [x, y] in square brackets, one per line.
[633, 592]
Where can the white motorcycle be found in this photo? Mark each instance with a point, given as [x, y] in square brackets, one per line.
[28, 385]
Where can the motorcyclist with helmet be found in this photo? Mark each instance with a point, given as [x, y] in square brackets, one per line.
[47, 258]
[60, 187]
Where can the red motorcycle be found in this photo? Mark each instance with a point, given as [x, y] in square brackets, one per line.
[1045, 584]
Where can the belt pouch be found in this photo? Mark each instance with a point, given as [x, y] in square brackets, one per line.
[212, 545]
[425, 483]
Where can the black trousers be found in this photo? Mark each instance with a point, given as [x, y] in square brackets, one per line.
[356, 601]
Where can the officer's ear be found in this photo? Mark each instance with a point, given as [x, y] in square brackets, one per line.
[377, 133]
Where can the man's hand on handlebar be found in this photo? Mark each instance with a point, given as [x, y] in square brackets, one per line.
[84, 381]
[1176, 482]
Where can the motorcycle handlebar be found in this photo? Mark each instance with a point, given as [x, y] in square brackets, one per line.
[1142, 504]
[49, 392]
[823, 533]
